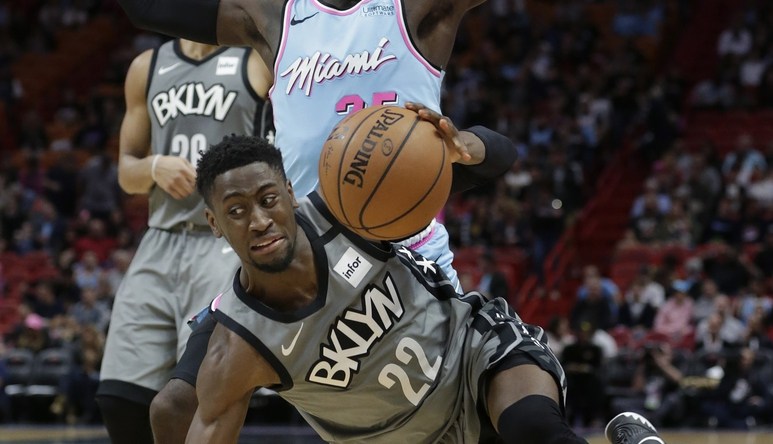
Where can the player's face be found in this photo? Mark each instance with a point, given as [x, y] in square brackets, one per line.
[253, 208]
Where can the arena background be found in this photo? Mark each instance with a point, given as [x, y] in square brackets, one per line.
[637, 225]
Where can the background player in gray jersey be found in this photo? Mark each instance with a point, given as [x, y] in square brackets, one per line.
[179, 99]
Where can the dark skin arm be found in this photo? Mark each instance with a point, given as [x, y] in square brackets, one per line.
[229, 374]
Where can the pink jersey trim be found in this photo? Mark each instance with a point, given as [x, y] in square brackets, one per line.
[423, 241]
[282, 43]
[216, 302]
[401, 23]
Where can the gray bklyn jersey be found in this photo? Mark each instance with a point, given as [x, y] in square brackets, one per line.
[193, 104]
[381, 346]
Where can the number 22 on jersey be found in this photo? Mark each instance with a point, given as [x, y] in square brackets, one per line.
[393, 371]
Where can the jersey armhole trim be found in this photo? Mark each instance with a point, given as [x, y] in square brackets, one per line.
[285, 29]
[402, 23]
[284, 375]
[153, 59]
[246, 75]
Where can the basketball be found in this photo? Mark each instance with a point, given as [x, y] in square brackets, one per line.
[384, 172]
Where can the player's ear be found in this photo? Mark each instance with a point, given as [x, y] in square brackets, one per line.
[292, 194]
[212, 222]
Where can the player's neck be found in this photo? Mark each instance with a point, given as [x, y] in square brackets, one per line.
[339, 4]
[196, 51]
[289, 290]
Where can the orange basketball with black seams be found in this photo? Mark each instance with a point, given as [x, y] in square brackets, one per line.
[384, 172]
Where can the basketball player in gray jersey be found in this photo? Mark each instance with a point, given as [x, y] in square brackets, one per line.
[384, 351]
[180, 98]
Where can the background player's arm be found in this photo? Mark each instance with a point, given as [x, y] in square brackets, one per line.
[259, 75]
[173, 174]
[228, 376]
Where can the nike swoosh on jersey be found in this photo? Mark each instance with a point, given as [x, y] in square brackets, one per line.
[294, 22]
[226, 250]
[287, 350]
[165, 69]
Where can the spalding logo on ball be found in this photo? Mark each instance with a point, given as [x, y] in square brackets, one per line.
[384, 172]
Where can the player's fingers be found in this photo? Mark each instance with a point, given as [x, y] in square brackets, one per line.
[452, 134]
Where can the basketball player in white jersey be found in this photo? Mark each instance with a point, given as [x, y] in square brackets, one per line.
[180, 98]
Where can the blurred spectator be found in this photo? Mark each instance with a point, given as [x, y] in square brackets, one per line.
[729, 330]
[493, 283]
[92, 135]
[44, 302]
[763, 260]
[756, 336]
[735, 41]
[705, 304]
[31, 334]
[593, 309]
[635, 311]
[746, 158]
[729, 271]
[652, 198]
[751, 300]
[100, 194]
[61, 184]
[90, 310]
[48, 228]
[725, 224]
[120, 264]
[95, 240]
[582, 362]
[676, 228]
[80, 387]
[708, 336]
[559, 334]
[674, 317]
[714, 92]
[655, 387]
[87, 271]
[742, 399]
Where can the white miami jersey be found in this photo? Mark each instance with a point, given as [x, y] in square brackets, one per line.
[331, 63]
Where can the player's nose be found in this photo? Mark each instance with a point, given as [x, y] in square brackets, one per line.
[260, 221]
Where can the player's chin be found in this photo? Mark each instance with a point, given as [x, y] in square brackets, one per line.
[277, 262]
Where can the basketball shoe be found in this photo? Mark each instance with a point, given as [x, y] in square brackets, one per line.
[631, 428]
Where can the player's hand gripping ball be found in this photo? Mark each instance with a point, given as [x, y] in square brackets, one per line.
[385, 173]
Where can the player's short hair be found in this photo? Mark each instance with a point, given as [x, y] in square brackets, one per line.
[232, 152]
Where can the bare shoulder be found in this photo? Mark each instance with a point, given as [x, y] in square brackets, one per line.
[137, 78]
[229, 355]
[256, 23]
[433, 24]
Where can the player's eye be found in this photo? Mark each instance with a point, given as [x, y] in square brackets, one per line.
[236, 211]
[268, 200]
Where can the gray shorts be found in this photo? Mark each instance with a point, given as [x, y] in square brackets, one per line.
[172, 276]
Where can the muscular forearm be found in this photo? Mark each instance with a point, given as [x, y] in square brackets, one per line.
[190, 19]
[492, 155]
[134, 174]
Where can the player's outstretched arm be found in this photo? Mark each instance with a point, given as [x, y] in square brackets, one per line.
[224, 22]
[228, 376]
